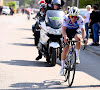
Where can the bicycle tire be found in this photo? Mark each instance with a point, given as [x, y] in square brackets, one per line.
[71, 69]
[66, 69]
[66, 74]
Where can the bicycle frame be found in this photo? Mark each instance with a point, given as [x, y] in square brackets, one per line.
[70, 62]
[70, 51]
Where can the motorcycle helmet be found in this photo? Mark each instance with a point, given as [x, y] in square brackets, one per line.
[56, 2]
[74, 11]
[42, 1]
[43, 5]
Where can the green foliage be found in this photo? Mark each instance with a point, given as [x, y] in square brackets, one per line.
[13, 5]
[5, 4]
[25, 3]
[83, 3]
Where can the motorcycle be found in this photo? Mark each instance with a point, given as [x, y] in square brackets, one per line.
[50, 42]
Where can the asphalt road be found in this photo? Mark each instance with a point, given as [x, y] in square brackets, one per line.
[20, 71]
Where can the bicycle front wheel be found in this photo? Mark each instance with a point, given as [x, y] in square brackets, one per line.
[71, 69]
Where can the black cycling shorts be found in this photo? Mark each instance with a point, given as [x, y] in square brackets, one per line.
[71, 33]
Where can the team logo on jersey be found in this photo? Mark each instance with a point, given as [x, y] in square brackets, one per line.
[65, 20]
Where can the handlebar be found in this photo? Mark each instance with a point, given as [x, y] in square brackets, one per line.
[75, 41]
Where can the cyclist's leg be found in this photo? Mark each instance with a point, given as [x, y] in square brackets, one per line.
[65, 49]
[63, 57]
[78, 37]
[64, 52]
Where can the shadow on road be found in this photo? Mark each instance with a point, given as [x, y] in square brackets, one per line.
[24, 29]
[46, 85]
[29, 38]
[26, 63]
[22, 44]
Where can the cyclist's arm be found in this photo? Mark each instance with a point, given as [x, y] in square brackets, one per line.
[83, 33]
[85, 41]
[64, 34]
[64, 31]
[81, 25]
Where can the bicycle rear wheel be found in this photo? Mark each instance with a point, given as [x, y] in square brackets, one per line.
[71, 69]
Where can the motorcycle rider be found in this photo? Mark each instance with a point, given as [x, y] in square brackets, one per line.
[42, 11]
[56, 4]
[41, 16]
[51, 2]
[71, 23]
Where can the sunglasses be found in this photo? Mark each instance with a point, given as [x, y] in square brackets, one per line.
[73, 16]
[55, 5]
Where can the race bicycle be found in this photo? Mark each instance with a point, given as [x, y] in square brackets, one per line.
[70, 62]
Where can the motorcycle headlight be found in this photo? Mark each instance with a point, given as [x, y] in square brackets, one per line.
[54, 31]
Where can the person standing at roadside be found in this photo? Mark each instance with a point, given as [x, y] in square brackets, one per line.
[11, 11]
[68, 7]
[95, 20]
[86, 20]
[0, 10]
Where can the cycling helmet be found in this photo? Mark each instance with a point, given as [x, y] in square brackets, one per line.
[74, 11]
[43, 5]
[42, 1]
[56, 2]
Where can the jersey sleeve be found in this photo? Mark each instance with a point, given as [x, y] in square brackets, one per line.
[65, 21]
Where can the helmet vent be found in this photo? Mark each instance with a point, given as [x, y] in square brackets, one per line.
[73, 10]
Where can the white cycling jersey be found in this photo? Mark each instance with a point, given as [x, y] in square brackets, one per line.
[78, 23]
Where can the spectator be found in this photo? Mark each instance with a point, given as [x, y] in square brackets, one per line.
[86, 21]
[11, 11]
[67, 11]
[0, 10]
[95, 19]
[23, 10]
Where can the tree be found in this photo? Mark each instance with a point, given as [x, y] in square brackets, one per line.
[13, 5]
[24, 3]
[83, 3]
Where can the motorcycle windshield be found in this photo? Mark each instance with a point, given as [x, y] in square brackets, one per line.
[54, 18]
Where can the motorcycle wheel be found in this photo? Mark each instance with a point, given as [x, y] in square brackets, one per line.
[53, 57]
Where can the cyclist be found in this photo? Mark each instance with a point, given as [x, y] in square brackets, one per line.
[70, 28]
[27, 11]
